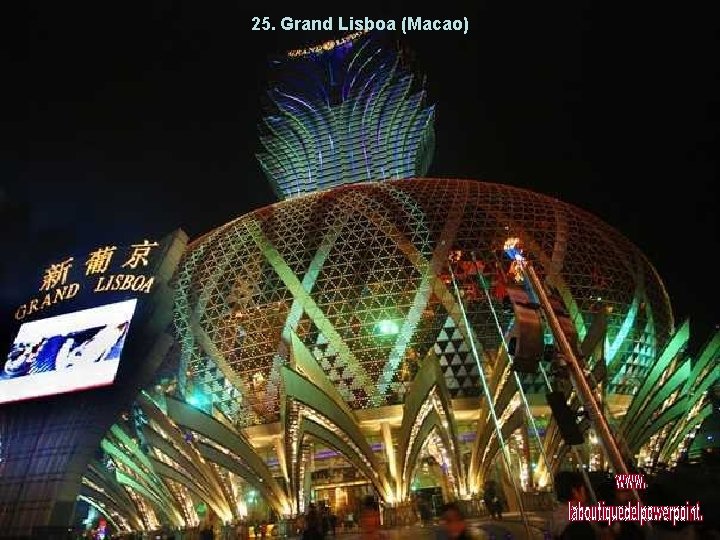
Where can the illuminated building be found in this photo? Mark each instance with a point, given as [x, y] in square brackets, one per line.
[324, 350]
[348, 112]
[339, 267]
[316, 334]
[92, 349]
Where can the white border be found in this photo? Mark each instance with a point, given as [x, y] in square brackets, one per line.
[81, 378]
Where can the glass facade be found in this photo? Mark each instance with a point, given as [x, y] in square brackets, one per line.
[338, 267]
[349, 114]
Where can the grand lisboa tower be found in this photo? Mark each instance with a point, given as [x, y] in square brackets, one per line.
[352, 338]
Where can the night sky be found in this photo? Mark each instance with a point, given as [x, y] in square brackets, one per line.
[121, 121]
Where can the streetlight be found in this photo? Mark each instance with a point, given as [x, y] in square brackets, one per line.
[584, 392]
[386, 327]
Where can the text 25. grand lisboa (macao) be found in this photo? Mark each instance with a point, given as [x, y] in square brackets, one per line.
[363, 24]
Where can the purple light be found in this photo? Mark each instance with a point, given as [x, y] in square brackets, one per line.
[328, 453]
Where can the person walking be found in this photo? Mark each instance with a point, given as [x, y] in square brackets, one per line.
[492, 499]
[313, 526]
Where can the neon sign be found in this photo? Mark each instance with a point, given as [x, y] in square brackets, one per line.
[59, 284]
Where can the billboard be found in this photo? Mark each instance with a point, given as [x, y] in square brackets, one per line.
[69, 352]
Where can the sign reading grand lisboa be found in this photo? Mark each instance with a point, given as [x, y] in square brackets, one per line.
[74, 329]
[105, 269]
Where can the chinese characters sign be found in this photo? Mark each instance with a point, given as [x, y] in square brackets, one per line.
[62, 280]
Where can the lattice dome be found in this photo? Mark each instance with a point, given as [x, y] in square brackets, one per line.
[359, 274]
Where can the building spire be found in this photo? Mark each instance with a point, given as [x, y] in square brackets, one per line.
[342, 112]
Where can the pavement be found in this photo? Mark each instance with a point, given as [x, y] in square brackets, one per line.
[511, 527]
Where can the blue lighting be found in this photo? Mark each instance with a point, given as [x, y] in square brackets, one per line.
[315, 100]
[513, 249]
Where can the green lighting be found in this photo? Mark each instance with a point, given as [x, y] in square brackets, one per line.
[387, 327]
[198, 400]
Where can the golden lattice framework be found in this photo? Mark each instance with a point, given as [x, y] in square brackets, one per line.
[335, 266]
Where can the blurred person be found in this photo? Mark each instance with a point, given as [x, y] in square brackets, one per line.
[625, 530]
[570, 489]
[207, 532]
[424, 511]
[313, 526]
[453, 524]
[325, 520]
[491, 496]
[603, 485]
[666, 490]
[370, 519]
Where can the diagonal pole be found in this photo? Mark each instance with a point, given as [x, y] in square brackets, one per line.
[579, 381]
[574, 450]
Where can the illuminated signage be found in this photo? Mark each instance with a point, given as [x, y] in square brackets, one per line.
[64, 353]
[327, 46]
[105, 269]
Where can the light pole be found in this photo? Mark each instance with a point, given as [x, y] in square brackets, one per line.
[577, 376]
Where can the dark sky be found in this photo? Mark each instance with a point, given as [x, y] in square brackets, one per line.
[120, 121]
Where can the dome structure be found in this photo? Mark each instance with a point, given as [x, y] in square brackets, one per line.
[359, 274]
[348, 341]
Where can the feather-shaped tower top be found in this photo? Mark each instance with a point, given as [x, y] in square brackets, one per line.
[345, 111]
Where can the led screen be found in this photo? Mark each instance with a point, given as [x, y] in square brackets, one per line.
[68, 352]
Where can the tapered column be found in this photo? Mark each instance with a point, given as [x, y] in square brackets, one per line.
[390, 456]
